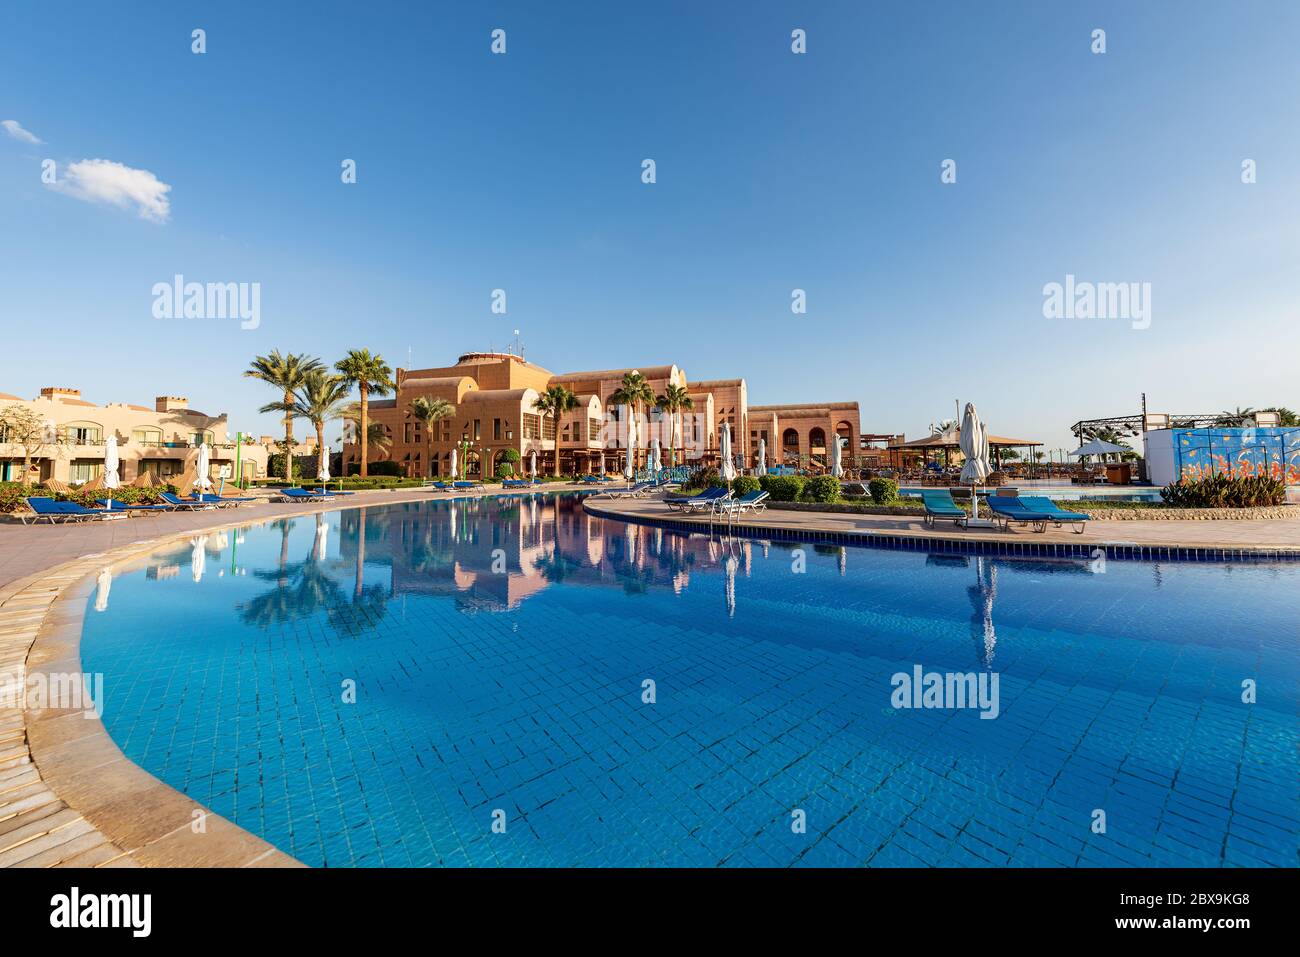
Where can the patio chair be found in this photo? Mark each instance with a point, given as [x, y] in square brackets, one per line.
[301, 495]
[176, 503]
[56, 513]
[939, 505]
[1059, 517]
[751, 501]
[704, 500]
[1007, 509]
[113, 505]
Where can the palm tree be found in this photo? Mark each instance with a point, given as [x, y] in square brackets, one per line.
[675, 400]
[287, 374]
[428, 412]
[320, 398]
[633, 392]
[555, 402]
[369, 374]
[1231, 418]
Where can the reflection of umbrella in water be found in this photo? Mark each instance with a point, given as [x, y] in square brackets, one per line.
[102, 585]
[982, 596]
[729, 568]
[322, 536]
[198, 557]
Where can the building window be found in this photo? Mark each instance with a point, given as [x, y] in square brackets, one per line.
[478, 432]
[548, 428]
[198, 438]
[150, 437]
[83, 470]
[496, 430]
[84, 433]
[532, 426]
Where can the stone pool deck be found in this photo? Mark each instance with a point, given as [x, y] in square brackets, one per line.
[69, 797]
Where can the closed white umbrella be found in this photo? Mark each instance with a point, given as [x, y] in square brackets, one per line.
[837, 460]
[629, 469]
[724, 452]
[974, 444]
[532, 457]
[323, 469]
[654, 455]
[204, 480]
[453, 463]
[102, 585]
[762, 458]
[111, 465]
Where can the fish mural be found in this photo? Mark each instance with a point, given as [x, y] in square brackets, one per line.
[1245, 453]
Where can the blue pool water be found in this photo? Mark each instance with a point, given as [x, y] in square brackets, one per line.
[499, 649]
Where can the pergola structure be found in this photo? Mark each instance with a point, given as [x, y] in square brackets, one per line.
[946, 441]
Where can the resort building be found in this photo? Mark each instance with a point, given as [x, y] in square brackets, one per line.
[493, 394]
[163, 440]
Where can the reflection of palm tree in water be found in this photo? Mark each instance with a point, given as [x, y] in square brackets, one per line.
[982, 595]
[304, 588]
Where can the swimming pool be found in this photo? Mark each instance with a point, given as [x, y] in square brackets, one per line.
[500, 650]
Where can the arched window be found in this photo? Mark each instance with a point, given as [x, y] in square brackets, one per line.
[790, 438]
[844, 430]
[817, 438]
[147, 436]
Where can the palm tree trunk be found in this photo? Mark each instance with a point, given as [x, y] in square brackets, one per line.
[428, 453]
[365, 427]
[288, 439]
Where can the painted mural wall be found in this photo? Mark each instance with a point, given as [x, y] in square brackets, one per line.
[1238, 452]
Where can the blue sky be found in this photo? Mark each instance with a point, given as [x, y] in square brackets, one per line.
[775, 172]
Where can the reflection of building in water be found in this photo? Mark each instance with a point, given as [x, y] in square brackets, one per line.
[160, 572]
[495, 553]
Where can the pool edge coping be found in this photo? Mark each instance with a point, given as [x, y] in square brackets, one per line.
[975, 544]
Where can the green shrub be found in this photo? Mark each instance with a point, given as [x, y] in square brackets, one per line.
[1221, 491]
[782, 488]
[13, 495]
[743, 485]
[883, 490]
[382, 467]
[820, 488]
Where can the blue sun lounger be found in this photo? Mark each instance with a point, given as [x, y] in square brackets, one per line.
[939, 505]
[705, 500]
[632, 491]
[117, 506]
[1059, 517]
[1007, 509]
[209, 499]
[465, 486]
[302, 495]
[56, 513]
[176, 503]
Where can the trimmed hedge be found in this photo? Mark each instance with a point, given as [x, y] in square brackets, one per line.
[744, 484]
[820, 488]
[782, 488]
[13, 495]
[883, 490]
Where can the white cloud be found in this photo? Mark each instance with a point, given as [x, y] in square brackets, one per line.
[15, 129]
[104, 181]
